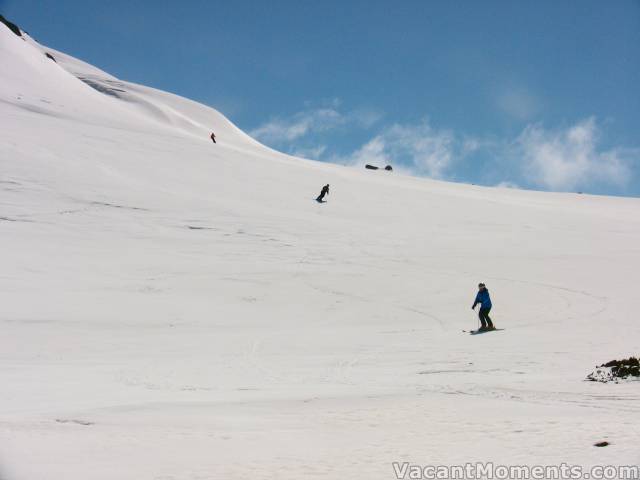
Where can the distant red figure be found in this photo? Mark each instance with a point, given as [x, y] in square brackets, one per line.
[213, 137]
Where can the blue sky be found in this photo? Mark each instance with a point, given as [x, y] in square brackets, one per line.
[538, 94]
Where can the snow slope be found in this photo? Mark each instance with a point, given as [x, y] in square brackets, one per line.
[175, 309]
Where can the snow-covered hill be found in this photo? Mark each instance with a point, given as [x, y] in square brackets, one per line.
[177, 309]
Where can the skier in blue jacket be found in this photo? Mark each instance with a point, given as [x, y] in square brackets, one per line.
[484, 300]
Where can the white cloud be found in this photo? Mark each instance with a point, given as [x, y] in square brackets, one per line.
[518, 103]
[568, 159]
[420, 148]
[281, 131]
[470, 145]
[309, 152]
[365, 117]
[560, 159]
[507, 184]
[372, 152]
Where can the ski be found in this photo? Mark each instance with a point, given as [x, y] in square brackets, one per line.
[478, 332]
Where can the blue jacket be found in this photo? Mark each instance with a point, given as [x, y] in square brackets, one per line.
[483, 299]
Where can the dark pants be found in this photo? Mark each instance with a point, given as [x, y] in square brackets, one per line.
[484, 317]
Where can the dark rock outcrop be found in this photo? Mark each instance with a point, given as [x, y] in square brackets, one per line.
[616, 370]
[388, 168]
[629, 367]
[12, 26]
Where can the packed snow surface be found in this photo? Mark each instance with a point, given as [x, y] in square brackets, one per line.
[177, 309]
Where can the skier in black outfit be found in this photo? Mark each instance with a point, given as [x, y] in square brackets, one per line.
[325, 191]
[484, 300]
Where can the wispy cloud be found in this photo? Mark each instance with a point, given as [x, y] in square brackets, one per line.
[569, 158]
[507, 184]
[468, 145]
[309, 152]
[372, 152]
[565, 159]
[279, 131]
[518, 102]
[365, 117]
[420, 148]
